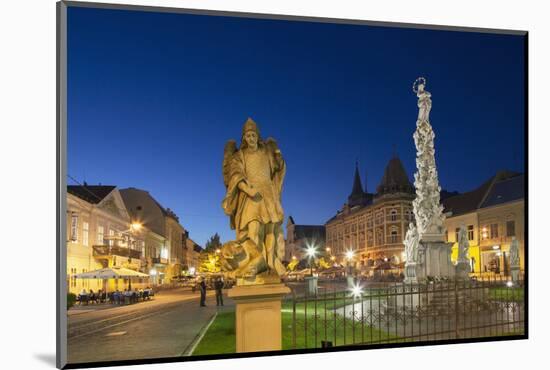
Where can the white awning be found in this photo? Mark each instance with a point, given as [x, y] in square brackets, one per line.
[111, 273]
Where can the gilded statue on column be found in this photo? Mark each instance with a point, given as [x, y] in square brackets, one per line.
[253, 176]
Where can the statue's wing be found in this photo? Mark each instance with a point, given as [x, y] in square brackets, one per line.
[228, 152]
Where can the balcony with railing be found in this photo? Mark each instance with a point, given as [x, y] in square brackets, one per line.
[106, 251]
[159, 260]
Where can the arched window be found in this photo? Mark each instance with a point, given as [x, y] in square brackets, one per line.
[394, 237]
[393, 215]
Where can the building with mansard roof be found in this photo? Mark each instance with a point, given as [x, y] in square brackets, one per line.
[493, 214]
[373, 225]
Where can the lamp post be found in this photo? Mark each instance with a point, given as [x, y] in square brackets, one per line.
[311, 251]
[350, 278]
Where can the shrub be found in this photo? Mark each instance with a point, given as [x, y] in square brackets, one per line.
[71, 300]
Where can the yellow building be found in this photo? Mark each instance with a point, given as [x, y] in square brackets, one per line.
[493, 214]
[374, 225]
[98, 235]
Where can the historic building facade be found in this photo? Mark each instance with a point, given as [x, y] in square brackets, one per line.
[493, 214]
[373, 225]
[299, 237]
[99, 235]
[165, 242]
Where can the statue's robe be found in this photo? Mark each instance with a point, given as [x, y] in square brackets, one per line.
[261, 170]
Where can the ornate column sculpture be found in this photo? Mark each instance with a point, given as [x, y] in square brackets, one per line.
[428, 255]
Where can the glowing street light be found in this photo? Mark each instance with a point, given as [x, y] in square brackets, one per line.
[135, 226]
[311, 251]
[356, 290]
[349, 255]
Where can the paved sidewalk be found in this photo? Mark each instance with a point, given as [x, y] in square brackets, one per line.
[166, 332]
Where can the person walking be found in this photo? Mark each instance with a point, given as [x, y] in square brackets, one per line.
[218, 285]
[202, 287]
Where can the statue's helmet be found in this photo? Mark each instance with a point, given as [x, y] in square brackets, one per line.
[250, 125]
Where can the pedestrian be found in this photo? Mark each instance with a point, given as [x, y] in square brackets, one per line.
[218, 285]
[202, 286]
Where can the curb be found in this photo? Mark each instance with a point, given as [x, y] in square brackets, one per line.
[193, 345]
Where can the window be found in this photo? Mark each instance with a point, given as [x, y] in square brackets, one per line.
[471, 232]
[457, 231]
[494, 231]
[100, 235]
[393, 215]
[72, 279]
[379, 237]
[85, 230]
[111, 234]
[84, 281]
[74, 227]
[510, 228]
[394, 237]
[484, 234]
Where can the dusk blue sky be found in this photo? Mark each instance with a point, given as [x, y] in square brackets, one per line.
[153, 97]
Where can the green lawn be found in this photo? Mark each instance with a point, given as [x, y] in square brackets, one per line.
[507, 294]
[220, 337]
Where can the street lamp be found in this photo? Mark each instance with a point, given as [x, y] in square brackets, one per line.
[311, 251]
[349, 256]
[356, 290]
[135, 226]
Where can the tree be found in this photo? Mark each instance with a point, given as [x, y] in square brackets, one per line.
[209, 262]
[213, 243]
[292, 265]
[323, 263]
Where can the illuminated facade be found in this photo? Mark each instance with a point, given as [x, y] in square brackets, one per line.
[374, 225]
[99, 235]
[493, 214]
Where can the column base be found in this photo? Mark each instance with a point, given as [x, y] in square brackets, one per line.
[258, 316]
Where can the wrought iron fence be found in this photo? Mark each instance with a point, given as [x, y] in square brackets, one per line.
[400, 312]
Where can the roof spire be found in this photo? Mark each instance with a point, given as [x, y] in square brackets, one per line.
[357, 186]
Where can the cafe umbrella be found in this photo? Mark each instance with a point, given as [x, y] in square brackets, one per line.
[112, 273]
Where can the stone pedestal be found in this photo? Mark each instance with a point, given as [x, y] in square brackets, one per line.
[351, 281]
[434, 261]
[437, 256]
[258, 316]
[312, 285]
[514, 271]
